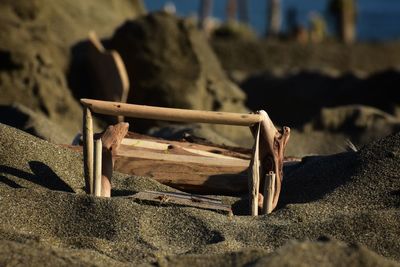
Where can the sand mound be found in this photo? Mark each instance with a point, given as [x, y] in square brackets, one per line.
[35, 123]
[34, 75]
[321, 253]
[351, 197]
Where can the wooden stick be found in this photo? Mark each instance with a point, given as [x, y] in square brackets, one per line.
[254, 175]
[111, 140]
[97, 167]
[268, 192]
[170, 114]
[88, 149]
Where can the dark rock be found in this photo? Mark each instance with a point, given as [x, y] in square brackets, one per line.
[361, 124]
[170, 64]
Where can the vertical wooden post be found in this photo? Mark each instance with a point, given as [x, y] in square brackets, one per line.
[88, 149]
[268, 192]
[97, 167]
[254, 175]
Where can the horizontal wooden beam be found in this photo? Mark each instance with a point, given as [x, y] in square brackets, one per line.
[170, 114]
[184, 199]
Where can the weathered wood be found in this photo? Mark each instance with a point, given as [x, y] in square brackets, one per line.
[170, 114]
[268, 193]
[161, 144]
[97, 167]
[167, 147]
[189, 177]
[111, 140]
[254, 174]
[272, 148]
[168, 155]
[183, 199]
[88, 149]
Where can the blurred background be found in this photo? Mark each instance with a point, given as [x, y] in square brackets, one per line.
[376, 20]
[329, 69]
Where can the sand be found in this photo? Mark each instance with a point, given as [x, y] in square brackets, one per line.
[336, 210]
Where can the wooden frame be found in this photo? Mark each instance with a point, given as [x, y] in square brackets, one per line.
[267, 156]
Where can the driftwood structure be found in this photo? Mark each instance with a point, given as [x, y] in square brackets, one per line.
[266, 159]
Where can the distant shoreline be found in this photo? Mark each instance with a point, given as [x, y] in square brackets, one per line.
[378, 20]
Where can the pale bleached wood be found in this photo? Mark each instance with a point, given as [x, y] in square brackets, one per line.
[272, 148]
[125, 151]
[97, 167]
[268, 192]
[154, 145]
[111, 140]
[170, 114]
[88, 149]
[254, 174]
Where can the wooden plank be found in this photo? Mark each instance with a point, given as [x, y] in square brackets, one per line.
[161, 146]
[189, 177]
[183, 199]
[170, 114]
[129, 152]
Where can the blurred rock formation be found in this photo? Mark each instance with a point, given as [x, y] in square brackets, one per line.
[171, 64]
[35, 41]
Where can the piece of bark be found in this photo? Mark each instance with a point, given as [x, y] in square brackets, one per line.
[111, 140]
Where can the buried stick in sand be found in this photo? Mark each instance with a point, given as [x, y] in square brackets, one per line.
[268, 192]
[88, 149]
[97, 167]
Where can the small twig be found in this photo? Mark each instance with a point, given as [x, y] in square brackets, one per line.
[88, 149]
[97, 167]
